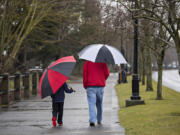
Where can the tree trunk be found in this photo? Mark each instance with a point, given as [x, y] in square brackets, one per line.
[160, 69]
[149, 70]
[140, 65]
[178, 53]
[148, 43]
[159, 84]
[143, 68]
[25, 58]
[177, 42]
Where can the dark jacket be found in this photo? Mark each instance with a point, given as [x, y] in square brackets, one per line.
[59, 96]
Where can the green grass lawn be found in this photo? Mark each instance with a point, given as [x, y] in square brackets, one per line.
[156, 117]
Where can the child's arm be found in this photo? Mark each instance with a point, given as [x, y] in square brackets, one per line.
[67, 89]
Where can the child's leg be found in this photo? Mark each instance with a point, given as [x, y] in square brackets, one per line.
[54, 109]
[54, 113]
[60, 110]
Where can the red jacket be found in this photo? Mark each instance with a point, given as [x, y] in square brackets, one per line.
[95, 74]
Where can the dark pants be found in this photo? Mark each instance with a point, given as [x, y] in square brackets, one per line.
[57, 112]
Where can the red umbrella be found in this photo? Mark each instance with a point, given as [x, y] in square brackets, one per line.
[55, 75]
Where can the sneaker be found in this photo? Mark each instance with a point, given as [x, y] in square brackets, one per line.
[92, 125]
[54, 121]
[61, 124]
[99, 123]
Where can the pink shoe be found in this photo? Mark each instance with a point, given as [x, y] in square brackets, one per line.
[54, 121]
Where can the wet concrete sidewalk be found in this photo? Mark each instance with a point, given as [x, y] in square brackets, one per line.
[33, 117]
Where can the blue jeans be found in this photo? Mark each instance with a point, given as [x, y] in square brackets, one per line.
[95, 99]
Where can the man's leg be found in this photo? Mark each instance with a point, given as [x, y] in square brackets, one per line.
[91, 96]
[99, 101]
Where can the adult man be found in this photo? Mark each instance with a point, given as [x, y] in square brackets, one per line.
[94, 80]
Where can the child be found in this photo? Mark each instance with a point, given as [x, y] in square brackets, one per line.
[58, 103]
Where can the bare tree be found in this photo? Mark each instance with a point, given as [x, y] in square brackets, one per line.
[16, 22]
[49, 21]
[147, 42]
[141, 61]
[170, 20]
[161, 43]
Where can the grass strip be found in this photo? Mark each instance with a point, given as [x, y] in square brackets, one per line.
[156, 117]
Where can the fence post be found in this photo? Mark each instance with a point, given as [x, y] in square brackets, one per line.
[40, 74]
[5, 90]
[34, 83]
[17, 86]
[26, 85]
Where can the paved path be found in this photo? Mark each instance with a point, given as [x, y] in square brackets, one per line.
[171, 79]
[33, 117]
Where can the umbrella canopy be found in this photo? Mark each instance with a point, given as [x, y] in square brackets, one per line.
[55, 75]
[102, 53]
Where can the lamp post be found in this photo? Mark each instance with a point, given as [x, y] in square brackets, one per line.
[135, 99]
[135, 77]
